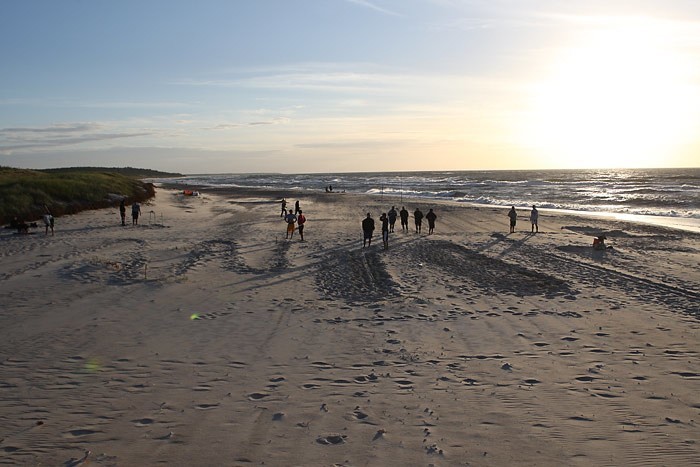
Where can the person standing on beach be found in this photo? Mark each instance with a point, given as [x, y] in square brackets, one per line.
[431, 220]
[301, 220]
[135, 213]
[291, 219]
[513, 218]
[404, 218]
[297, 210]
[284, 208]
[385, 230]
[418, 218]
[392, 218]
[534, 216]
[367, 230]
[48, 220]
[122, 211]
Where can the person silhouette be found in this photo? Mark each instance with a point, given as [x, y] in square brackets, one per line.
[418, 218]
[385, 230]
[513, 218]
[392, 218]
[534, 217]
[404, 218]
[431, 220]
[367, 230]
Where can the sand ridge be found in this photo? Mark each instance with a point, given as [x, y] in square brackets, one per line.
[203, 337]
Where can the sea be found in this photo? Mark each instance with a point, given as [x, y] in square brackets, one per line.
[669, 197]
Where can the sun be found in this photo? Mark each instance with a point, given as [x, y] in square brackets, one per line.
[621, 98]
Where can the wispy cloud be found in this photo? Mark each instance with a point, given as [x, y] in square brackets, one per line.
[64, 134]
[373, 6]
[228, 126]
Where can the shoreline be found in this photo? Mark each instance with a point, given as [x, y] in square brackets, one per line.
[685, 224]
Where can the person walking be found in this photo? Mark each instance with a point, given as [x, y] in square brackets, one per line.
[431, 216]
[135, 213]
[367, 230]
[404, 219]
[513, 218]
[291, 220]
[297, 209]
[534, 217]
[284, 208]
[418, 218]
[301, 220]
[385, 230]
[122, 210]
[392, 218]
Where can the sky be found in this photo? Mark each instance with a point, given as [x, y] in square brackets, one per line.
[323, 86]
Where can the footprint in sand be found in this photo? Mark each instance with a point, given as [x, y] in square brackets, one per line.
[359, 415]
[206, 406]
[257, 396]
[82, 432]
[143, 422]
[686, 374]
[404, 383]
[365, 379]
[331, 439]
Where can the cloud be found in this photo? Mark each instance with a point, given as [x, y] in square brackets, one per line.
[228, 126]
[58, 135]
[372, 6]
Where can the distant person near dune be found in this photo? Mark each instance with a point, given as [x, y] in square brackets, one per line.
[135, 213]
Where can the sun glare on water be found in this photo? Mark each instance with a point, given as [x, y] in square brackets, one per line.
[622, 98]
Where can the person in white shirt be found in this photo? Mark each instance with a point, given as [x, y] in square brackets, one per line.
[534, 216]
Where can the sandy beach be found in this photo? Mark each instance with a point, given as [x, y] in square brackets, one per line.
[203, 337]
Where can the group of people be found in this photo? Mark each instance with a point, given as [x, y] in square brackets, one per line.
[135, 212]
[389, 219]
[534, 219]
[295, 219]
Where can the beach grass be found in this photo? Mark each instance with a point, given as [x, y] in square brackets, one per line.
[24, 193]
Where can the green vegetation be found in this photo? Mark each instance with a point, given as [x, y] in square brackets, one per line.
[127, 171]
[24, 193]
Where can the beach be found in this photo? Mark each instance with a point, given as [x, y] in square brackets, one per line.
[203, 337]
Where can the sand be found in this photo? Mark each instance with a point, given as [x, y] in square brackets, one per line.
[203, 337]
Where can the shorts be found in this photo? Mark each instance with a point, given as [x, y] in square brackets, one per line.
[368, 234]
[290, 227]
[385, 235]
[512, 223]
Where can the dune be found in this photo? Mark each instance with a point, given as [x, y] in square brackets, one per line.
[203, 337]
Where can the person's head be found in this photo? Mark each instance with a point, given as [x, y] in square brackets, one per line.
[299, 211]
[430, 210]
[369, 215]
[534, 207]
